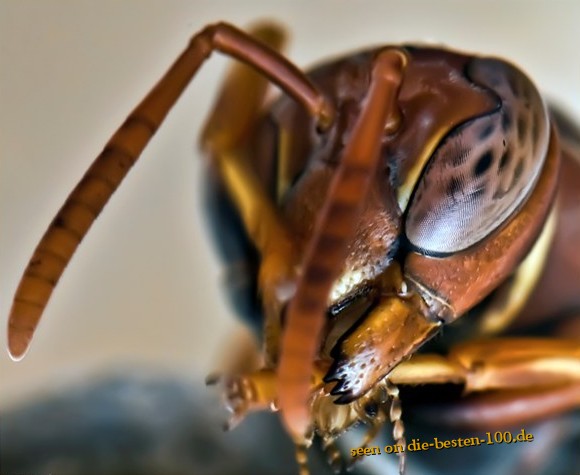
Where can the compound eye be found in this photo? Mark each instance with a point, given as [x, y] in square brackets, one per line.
[484, 169]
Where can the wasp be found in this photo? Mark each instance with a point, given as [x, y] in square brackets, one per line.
[386, 196]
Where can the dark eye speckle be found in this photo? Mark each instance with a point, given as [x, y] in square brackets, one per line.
[460, 157]
[505, 158]
[517, 173]
[486, 132]
[483, 164]
[453, 186]
[506, 120]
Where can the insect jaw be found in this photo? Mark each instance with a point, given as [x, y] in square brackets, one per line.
[390, 333]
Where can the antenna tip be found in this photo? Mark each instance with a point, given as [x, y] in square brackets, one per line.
[18, 343]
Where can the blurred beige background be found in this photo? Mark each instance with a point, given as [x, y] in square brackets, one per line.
[144, 288]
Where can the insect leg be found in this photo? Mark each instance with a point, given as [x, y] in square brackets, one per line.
[245, 393]
[91, 194]
[235, 116]
[506, 381]
[522, 379]
[502, 408]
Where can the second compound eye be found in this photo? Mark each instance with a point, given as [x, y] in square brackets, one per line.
[484, 169]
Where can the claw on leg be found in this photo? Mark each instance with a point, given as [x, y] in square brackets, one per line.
[245, 393]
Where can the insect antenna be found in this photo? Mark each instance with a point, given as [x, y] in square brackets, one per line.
[395, 415]
[104, 176]
[302, 458]
[328, 247]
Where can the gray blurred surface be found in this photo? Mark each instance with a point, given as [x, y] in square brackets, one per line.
[138, 423]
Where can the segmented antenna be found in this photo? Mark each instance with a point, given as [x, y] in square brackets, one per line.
[328, 247]
[395, 413]
[302, 454]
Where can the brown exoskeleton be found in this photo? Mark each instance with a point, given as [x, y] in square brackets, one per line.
[388, 194]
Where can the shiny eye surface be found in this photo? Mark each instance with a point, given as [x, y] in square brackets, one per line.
[484, 169]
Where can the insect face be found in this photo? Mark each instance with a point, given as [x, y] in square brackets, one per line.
[470, 148]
